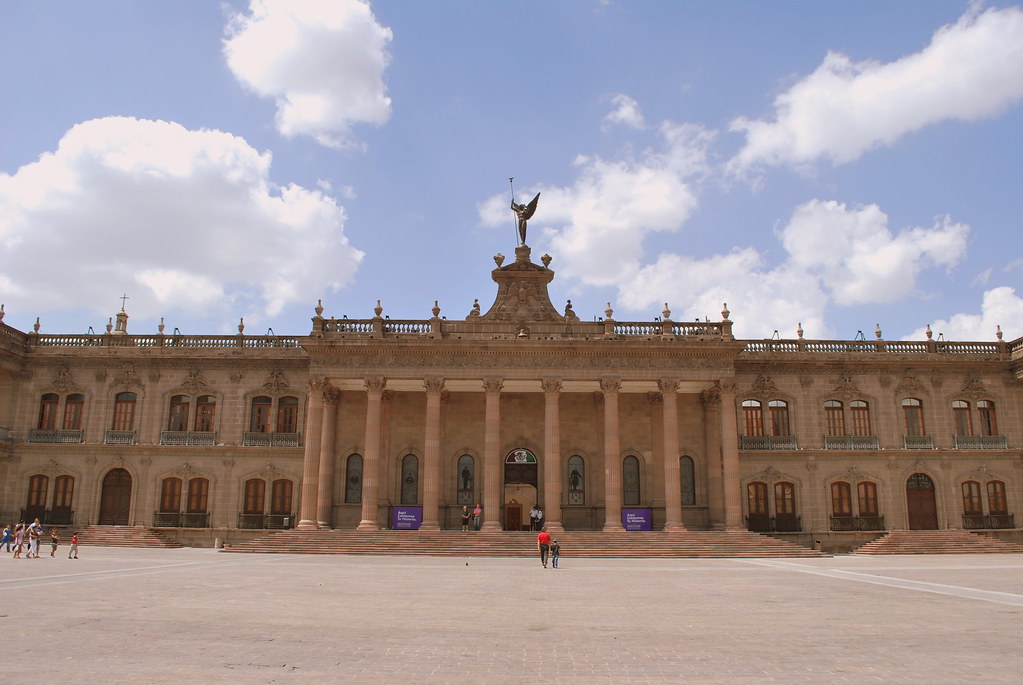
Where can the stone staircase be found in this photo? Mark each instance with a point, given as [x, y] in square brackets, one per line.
[120, 536]
[937, 542]
[590, 544]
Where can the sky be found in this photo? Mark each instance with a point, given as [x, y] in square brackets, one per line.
[842, 166]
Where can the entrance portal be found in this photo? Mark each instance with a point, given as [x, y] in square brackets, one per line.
[920, 502]
[116, 498]
[520, 491]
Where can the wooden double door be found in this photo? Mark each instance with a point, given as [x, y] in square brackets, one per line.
[920, 502]
[115, 500]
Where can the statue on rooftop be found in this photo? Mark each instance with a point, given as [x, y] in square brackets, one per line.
[524, 213]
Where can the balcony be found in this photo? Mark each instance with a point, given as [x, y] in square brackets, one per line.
[768, 442]
[177, 519]
[918, 442]
[199, 438]
[774, 524]
[854, 523]
[989, 522]
[270, 521]
[55, 436]
[981, 442]
[851, 442]
[58, 516]
[272, 439]
[115, 437]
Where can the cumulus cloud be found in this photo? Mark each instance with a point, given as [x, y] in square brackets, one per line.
[181, 220]
[970, 70]
[1000, 307]
[323, 61]
[626, 112]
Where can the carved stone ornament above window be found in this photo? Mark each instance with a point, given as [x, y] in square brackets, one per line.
[973, 387]
[847, 388]
[63, 381]
[276, 383]
[911, 385]
[764, 386]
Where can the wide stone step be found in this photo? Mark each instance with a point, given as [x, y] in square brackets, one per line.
[937, 542]
[122, 536]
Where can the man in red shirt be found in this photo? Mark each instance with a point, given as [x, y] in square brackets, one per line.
[543, 545]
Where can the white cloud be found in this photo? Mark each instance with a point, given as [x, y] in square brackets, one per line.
[626, 113]
[1000, 307]
[971, 70]
[856, 256]
[180, 220]
[323, 61]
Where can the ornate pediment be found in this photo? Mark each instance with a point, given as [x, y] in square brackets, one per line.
[127, 377]
[522, 291]
[910, 385]
[846, 388]
[974, 388]
[194, 382]
[764, 386]
[63, 381]
[275, 383]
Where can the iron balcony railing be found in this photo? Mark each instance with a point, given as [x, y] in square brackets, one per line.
[113, 437]
[179, 519]
[769, 442]
[251, 439]
[58, 516]
[980, 442]
[199, 438]
[774, 524]
[851, 442]
[989, 522]
[271, 521]
[918, 442]
[56, 435]
[853, 523]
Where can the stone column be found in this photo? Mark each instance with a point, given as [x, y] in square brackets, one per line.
[325, 491]
[311, 460]
[672, 477]
[431, 455]
[730, 459]
[552, 468]
[612, 457]
[371, 459]
[492, 455]
[712, 434]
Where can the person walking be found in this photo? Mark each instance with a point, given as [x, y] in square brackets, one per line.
[74, 547]
[33, 540]
[543, 545]
[7, 538]
[555, 553]
[19, 539]
[54, 540]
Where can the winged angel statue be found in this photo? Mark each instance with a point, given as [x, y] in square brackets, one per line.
[524, 213]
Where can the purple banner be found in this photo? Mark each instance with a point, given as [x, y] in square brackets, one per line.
[406, 518]
[636, 519]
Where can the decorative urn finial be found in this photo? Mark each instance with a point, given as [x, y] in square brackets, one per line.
[725, 312]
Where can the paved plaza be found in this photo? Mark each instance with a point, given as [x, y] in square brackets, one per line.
[198, 616]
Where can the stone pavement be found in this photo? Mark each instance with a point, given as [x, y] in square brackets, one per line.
[194, 615]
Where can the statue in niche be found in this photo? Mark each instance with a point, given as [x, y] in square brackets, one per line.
[524, 213]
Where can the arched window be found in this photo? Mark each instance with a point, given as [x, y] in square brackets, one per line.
[996, 504]
[63, 492]
[754, 418]
[834, 419]
[988, 425]
[205, 412]
[779, 411]
[37, 486]
[756, 497]
[576, 480]
[353, 479]
[687, 472]
[280, 497]
[74, 407]
[178, 419]
[630, 481]
[198, 495]
[48, 411]
[124, 411]
[859, 414]
[259, 415]
[409, 479]
[170, 496]
[841, 499]
[961, 418]
[466, 479]
[255, 496]
[971, 499]
[866, 494]
[784, 499]
[913, 410]
[287, 415]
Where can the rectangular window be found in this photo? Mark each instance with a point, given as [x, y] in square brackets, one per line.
[170, 496]
[255, 492]
[841, 499]
[784, 499]
[754, 419]
[834, 419]
[73, 408]
[205, 410]
[259, 420]
[779, 418]
[996, 503]
[124, 412]
[971, 499]
[198, 491]
[961, 417]
[867, 495]
[63, 492]
[48, 412]
[178, 414]
[988, 426]
[860, 415]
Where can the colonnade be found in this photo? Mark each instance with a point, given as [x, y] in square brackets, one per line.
[721, 456]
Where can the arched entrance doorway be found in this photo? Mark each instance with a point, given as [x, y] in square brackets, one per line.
[520, 490]
[920, 502]
[115, 501]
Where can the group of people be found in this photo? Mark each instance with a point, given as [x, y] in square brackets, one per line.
[548, 548]
[536, 517]
[474, 517]
[25, 538]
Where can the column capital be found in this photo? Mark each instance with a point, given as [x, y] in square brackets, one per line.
[493, 384]
[668, 385]
[317, 384]
[551, 385]
[433, 384]
[711, 397]
[330, 394]
[375, 383]
[609, 385]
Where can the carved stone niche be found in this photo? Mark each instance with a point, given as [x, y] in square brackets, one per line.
[522, 291]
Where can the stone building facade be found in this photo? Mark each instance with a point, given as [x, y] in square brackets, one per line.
[607, 425]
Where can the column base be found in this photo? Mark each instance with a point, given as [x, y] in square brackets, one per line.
[429, 525]
[613, 528]
[554, 527]
[306, 524]
[368, 525]
[674, 528]
[491, 526]
[323, 525]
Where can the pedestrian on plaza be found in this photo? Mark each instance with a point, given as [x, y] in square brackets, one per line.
[54, 539]
[555, 553]
[7, 538]
[543, 545]
[19, 538]
[532, 518]
[74, 547]
[466, 518]
[33, 541]
[477, 516]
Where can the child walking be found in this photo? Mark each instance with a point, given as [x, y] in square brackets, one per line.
[74, 547]
[54, 539]
[555, 553]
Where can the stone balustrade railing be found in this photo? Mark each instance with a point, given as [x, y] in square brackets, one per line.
[877, 347]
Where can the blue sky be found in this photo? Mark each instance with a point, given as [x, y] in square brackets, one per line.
[839, 165]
